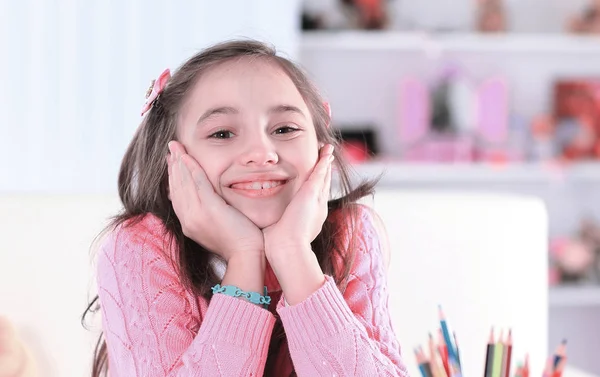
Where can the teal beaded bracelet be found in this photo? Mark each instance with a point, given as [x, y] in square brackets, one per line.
[234, 291]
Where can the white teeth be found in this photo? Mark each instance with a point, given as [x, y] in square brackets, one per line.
[258, 185]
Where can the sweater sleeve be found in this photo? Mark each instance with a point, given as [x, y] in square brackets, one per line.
[152, 324]
[350, 334]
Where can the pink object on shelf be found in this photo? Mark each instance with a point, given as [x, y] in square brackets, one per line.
[492, 111]
[413, 110]
[450, 149]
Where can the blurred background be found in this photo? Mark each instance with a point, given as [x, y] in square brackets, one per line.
[495, 95]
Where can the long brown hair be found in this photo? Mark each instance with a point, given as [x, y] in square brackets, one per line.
[143, 182]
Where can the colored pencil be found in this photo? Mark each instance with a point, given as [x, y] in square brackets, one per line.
[519, 370]
[560, 352]
[507, 354]
[436, 367]
[446, 333]
[560, 367]
[504, 356]
[548, 368]
[489, 355]
[526, 366]
[456, 348]
[441, 369]
[455, 368]
[443, 349]
[497, 364]
[428, 369]
[419, 358]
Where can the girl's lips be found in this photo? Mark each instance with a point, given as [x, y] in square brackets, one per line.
[257, 185]
[256, 190]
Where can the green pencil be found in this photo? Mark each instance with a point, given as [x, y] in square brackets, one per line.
[497, 364]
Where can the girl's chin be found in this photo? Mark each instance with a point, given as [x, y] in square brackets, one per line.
[264, 219]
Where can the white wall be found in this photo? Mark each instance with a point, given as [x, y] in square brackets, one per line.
[74, 75]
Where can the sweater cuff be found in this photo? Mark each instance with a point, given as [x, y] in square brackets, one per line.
[235, 321]
[321, 315]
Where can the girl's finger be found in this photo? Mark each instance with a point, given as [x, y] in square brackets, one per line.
[320, 172]
[198, 175]
[327, 183]
[189, 188]
[174, 177]
[176, 148]
[170, 163]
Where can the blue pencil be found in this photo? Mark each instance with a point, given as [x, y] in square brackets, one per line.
[451, 351]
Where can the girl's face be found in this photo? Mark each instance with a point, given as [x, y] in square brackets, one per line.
[248, 127]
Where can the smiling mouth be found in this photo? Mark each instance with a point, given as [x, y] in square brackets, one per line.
[258, 185]
[258, 189]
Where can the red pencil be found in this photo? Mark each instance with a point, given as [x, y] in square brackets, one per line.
[508, 353]
[526, 366]
[443, 349]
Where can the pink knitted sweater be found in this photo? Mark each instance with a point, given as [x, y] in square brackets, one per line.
[155, 327]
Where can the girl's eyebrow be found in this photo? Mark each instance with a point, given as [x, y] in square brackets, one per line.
[215, 111]
[279, 109]
[228, 110]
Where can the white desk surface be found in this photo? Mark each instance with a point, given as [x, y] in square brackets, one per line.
[574, 372]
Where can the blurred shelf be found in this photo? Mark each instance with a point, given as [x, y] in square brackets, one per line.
[574, 296]
[465, 42]
[404, 173]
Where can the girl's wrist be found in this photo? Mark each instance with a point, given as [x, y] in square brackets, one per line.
[276, 246]
[298, 273]
[246, 272]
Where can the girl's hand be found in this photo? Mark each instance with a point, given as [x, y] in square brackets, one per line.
[303, 218]
[15, 359]
[204, 216]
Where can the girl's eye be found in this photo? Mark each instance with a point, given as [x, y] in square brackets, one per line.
[285, 130]
[222, 135]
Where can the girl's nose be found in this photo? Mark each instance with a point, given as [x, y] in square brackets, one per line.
[259, 152]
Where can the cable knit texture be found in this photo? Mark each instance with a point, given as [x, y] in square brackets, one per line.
[155, 327]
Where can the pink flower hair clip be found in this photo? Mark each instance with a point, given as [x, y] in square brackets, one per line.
[156, 87]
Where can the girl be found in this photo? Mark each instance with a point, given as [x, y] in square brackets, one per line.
[229, 259]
